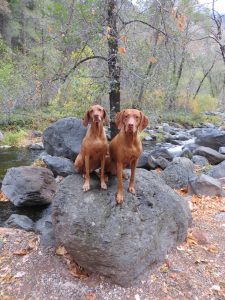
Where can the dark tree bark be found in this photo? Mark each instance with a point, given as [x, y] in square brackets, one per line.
[113, 64]
[138, 104]
[203, 79]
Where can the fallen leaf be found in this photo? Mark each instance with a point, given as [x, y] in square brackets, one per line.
[77, 271]
[152, 60]
[61, 250]
[3, 197]
[164, 269]
[121, 50]
[173, 276]
[191, 240]
[158, 170]
[33, 244]
[7, 278]
[90, 296]
[21, 252]
[213, 248]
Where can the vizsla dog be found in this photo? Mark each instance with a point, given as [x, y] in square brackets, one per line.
[94, 146]
[126, 147]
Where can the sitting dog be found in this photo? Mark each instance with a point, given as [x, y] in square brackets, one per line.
[126, 147]
[94, 146]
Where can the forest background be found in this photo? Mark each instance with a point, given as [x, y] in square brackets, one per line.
[166, 57]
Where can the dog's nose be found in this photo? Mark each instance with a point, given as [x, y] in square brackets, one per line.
[131, 125]
[97, 118]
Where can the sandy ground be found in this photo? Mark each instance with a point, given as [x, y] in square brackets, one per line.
[193, 270]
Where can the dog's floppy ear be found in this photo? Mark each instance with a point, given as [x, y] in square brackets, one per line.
[86, 118]
[105, 118]
[119, 119]
[144, 122]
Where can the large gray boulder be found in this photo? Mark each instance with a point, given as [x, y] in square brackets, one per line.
[162, 152]
[119, 241]
[178, 172]
[210, 137]
[199, 160]
[64, 137]
[217, 171]
[205, 185]
[29, 186]
[143, 160]
[59, 165]
[213, 156]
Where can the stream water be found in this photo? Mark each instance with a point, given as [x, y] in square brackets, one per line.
[14, 157]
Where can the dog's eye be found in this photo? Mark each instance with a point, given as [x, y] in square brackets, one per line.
[137, 117]
[91, 110]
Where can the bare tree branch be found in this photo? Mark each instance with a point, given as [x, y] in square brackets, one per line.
[63, 78]
[142, 22]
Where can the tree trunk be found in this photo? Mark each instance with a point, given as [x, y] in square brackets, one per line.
[203, 79]
[138, 104]
[113, 65]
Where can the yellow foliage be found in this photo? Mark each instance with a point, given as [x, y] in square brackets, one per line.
[81, 53]
[203, 103]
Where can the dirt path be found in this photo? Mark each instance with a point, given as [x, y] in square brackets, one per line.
[194, 270]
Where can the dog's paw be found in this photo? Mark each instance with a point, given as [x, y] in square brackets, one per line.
[119, 198]
[86, 187]
[103, 186]
[131, 190]
[125, 176]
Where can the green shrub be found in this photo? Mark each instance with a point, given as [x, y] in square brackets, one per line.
[189, 119]
[12, 138]
[204, 103]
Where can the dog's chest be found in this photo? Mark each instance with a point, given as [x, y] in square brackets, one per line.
[99, 144]
[131, 153]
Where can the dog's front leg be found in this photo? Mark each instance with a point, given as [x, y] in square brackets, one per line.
[86, 186]
[119, 171]
[131, 188]
[102, 178]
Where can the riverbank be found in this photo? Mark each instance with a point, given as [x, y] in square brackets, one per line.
[17, 130]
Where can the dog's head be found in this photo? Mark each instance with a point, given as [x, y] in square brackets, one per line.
[95, 114]
[132, 120]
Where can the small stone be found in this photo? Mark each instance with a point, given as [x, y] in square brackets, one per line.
[36, 146]
[20, 274]
[215, 288]
[148, 138]
[220, 216]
